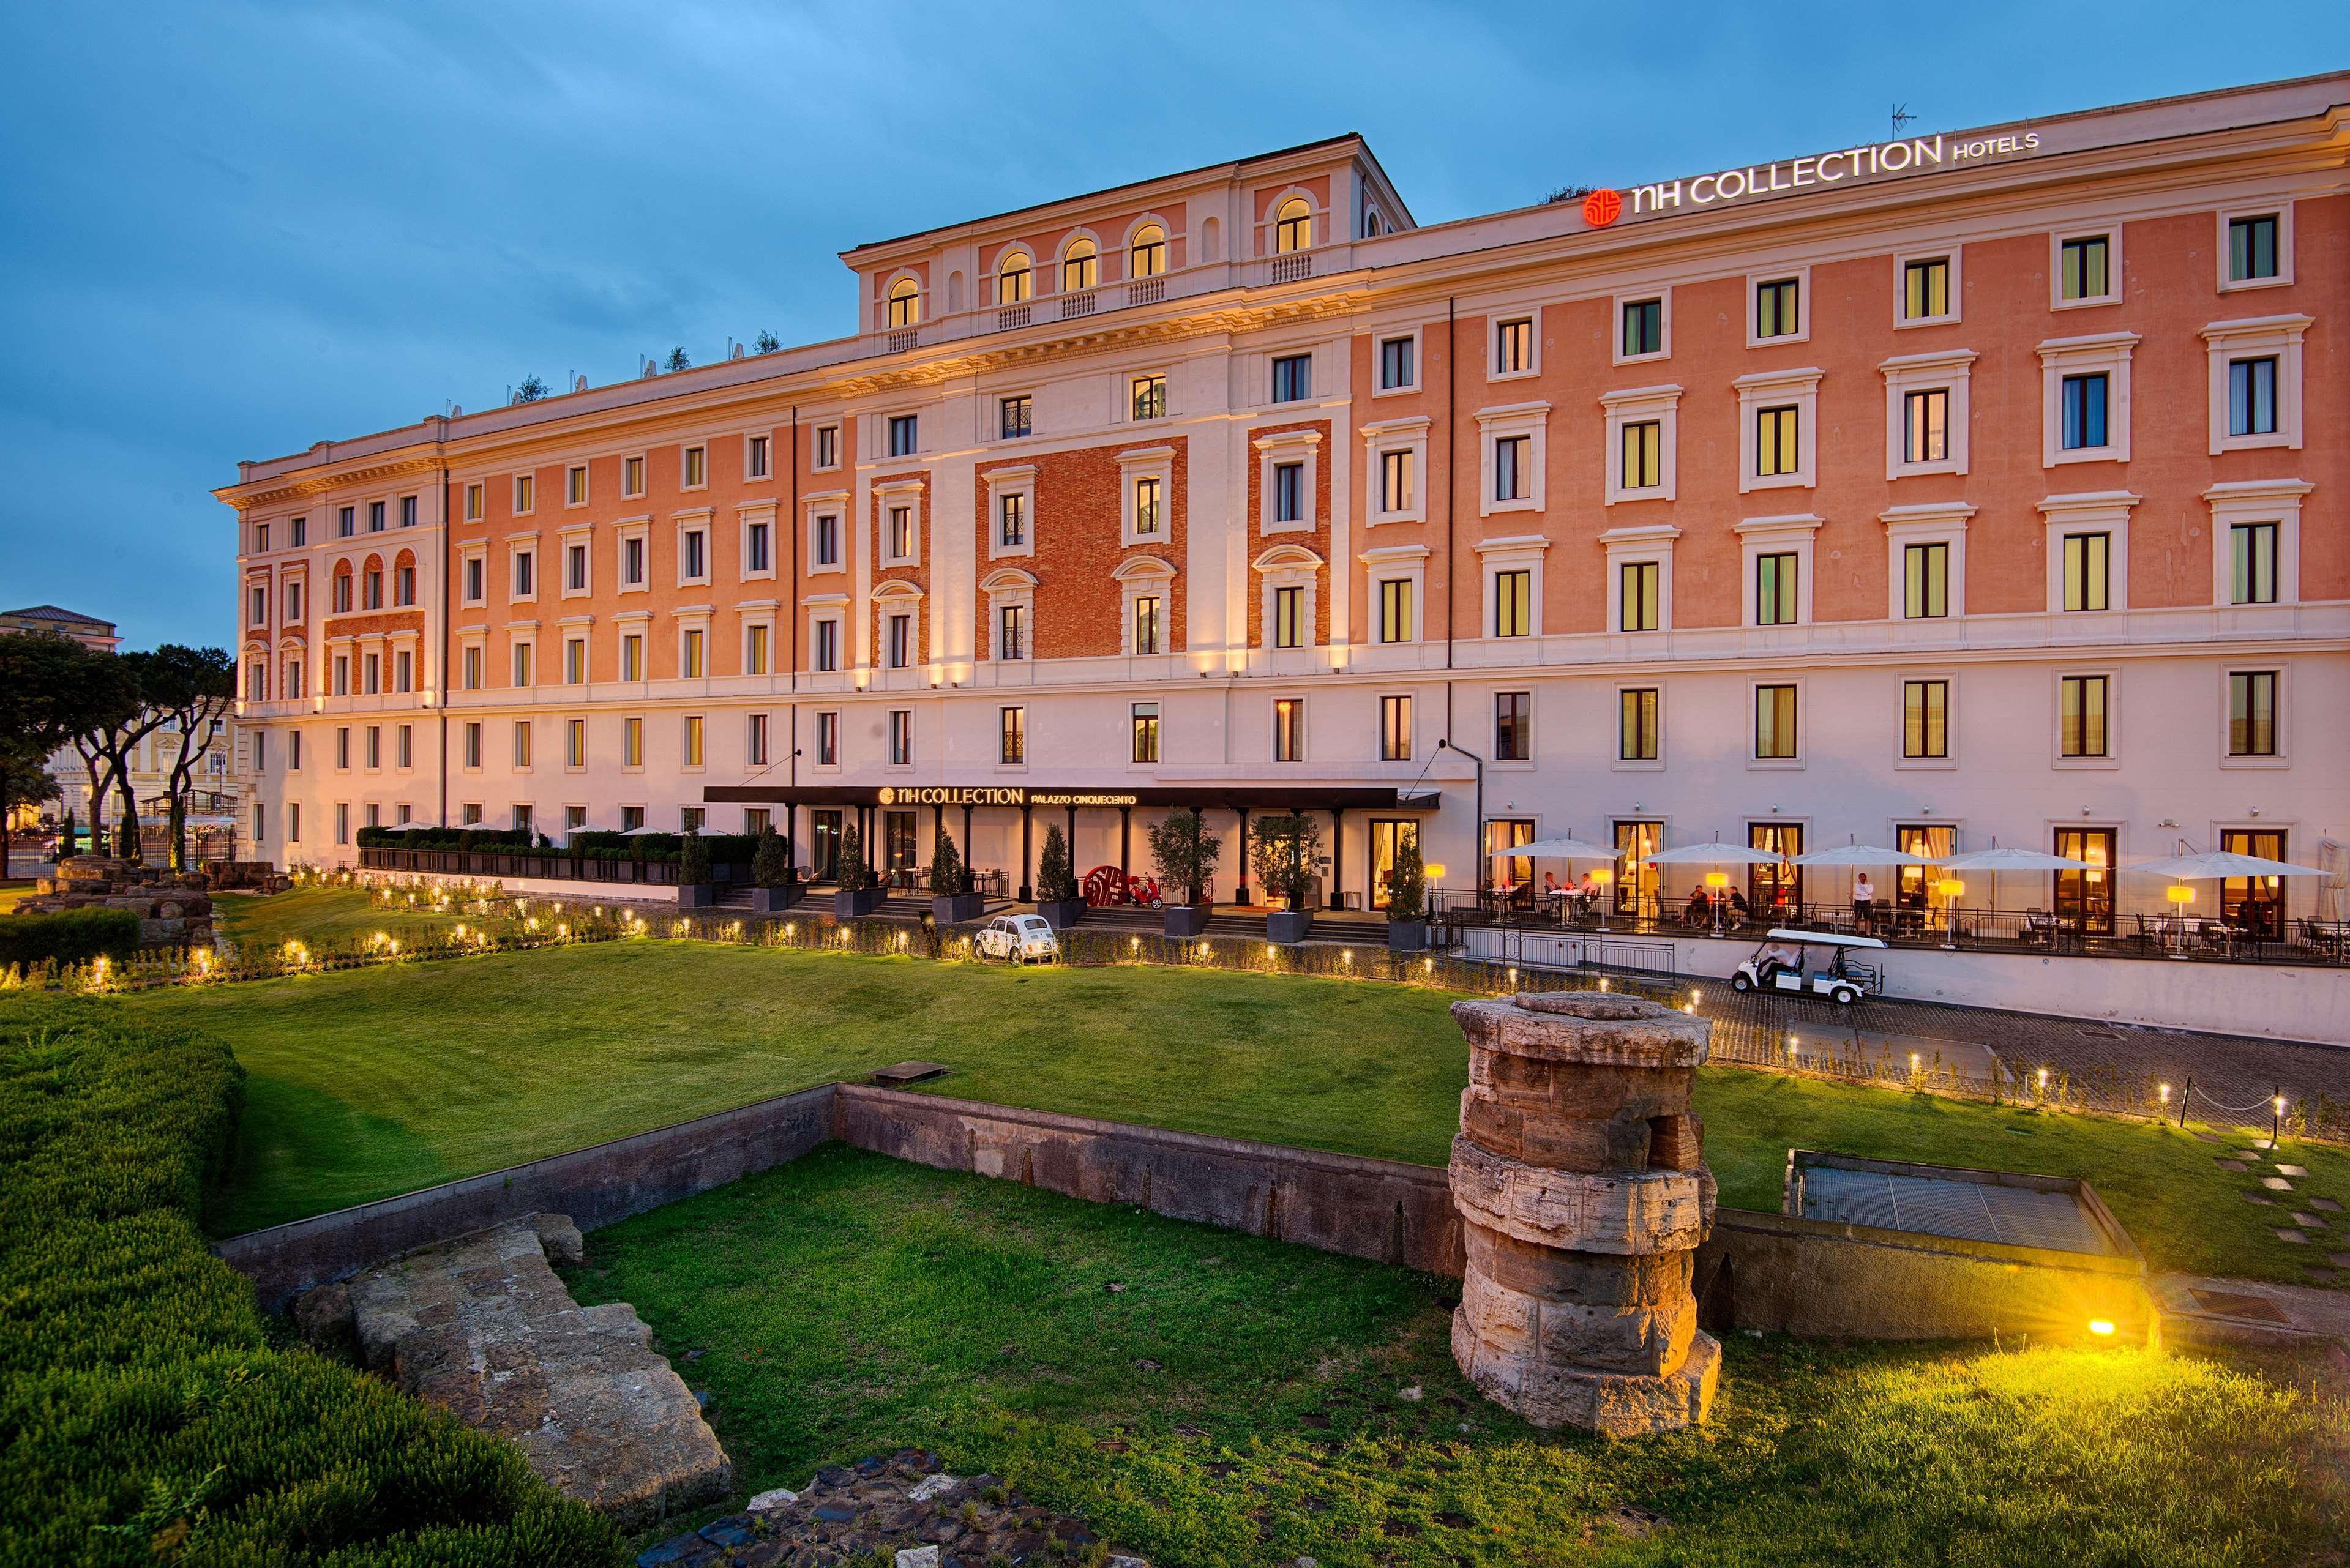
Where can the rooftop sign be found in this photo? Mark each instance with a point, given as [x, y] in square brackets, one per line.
[1910, 154]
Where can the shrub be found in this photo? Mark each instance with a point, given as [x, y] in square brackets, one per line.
[146, 1417]
[1407, 881]
[1284, 850]
[693, 860]
[855, 875]
[68, 936]
[1186, 852]
[947, 875]
[771, 863]
[1056, 879]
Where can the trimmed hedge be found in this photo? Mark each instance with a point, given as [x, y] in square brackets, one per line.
[144, 1417]
[68, 936]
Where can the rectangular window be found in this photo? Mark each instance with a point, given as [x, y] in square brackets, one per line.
[1395, 609]
[632, 656]
[403, 586]
[696, 467]
[826, 545]
[1396, 484]
[1149, 397]
[574, 660]
[1513, 467]
[1925, 718]
[1775, 589]
[575, 742]
[1776, 449]
[472, 745]
[343, 749]
[526, 582]
[827, 739]
[575, 568]
[525, 493]
[472, 668]
[575, 485]
[1396, 368]
[1011, 631]
[2251, 713]
[345, 521]
[2251, 396]
[1011, 731]
[900, 538]
[632, 742]
[901, 737]
[688, 655]
[754, 548]
[692, 563]
[1774, 722]
[1513, 605]
[1514, 715]
[2252, 248]
[1018, 416]
[1778, 307]
[1289, 730]
[755, 457]
[1644, 454]
[905, 434]
[632, 476]
[901, 641]
[1395, 728]
[300, 531]
[375, 517]
[2082, 268]
[754, 649]
[292, 821]
[1289, 617]
[827, 446]
[1636, 724]
[1639, 586]
[260, 605]
[2252, 563]
[2087, 558]
[374, 747]
[1288, 492]
[470, 813]
[1293, 377]
[522, 664]
[2081, 716]
[1146, 505]
[1513, 346]
[372, 663]
[1925, 581]
[1644, 327]
[407, 512]
[1145, 623]
[828, 644]
[1925, 289]
[1013, 514]
[521, 743]
[341, 594]
[1926, 421]
[693, 740]
[1146, 732]
[2083, 410]
[632, 563]
[403, 666]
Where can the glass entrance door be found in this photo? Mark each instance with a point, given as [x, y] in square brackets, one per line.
[1775, 891]
[2087, 896]
[824, 844]
[1388, 835]
[1913, 890]
[2255, 904]
[1636, 881]
[900, 857]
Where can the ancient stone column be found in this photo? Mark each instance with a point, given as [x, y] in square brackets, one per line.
[1583, 1199]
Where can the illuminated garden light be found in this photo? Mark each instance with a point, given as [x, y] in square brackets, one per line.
[2101, 1326]
[2163, 1091]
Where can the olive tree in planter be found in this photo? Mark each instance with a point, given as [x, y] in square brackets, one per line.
[1186, 853]
[1056, 884]
[857, 894]
[1407, 898]
[693, 891]
[1284, 850]
[773, 887]
[952, 900]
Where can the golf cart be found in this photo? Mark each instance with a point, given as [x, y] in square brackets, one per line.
[1783, 963]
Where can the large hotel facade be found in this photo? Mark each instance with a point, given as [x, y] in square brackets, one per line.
[1949, 489]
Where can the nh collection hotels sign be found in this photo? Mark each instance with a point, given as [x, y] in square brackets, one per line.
[996, 795]
[1908, 155]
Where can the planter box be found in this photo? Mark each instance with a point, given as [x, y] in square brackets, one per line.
[1406, 936]
[1062, 913]
[695, 895]
[1288, 925]
[775, 900]
[954, 909]
[1187, 919]
[849, 905]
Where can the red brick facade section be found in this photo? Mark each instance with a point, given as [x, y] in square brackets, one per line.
[1077, 522]
[1316, 540]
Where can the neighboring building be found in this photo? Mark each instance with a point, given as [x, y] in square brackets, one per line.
[88, 630]
[1949, 489]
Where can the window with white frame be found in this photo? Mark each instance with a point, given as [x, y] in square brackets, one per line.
[690, 747]
[1146, 485]
[1293, 377]
[1640, 577]
[1289, 579]
[827, 739]
[633, 550]
[2252, 713]
[1011, 613]
[2256, 541]
[1288, 488]
[905, 435]
[2084, 717]
[1143, 720]
[2086, 399]
[1397, 577]
[1395, 459]
[1016, 416]
[1512, 443]
[575, 484]
[1777, 560]
[900, 741]
[1147, 397]
[1777, 737]
[575, 581]
[1644, 327]
[823, 513]
[1512, 569]
[692, 652]
[1012, 736]
[823, 641]
[759, 644]
[633, 665]
[1638, 735]
[1927, 413]
[1778, 308]
[1514, 347]
[1289, 729]
[1926, 287]
[1643, 437]
[1778, 430]
[522, 573]
[575, 744]
[632, 476]
[1146, 590]
[2088, 551]
[756, 453]
[1925, 550]
[901, 631]
[574, 660]
[1398, 362]
[693, 548]
[1395, 727]
[2084, 267]
[2255, 393]
[2255, 247]
[826, 447]
[900, 524]
[526, 494]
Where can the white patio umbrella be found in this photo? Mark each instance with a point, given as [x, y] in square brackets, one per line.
[1557, 849]
[1996, 860]
[1857, 856]
[1714, 855]
[2220, 863]
[641, 832]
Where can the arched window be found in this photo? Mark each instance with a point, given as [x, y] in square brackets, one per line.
[905, 303]
[1292, 226]
[1147, 256]
[1080, 266]
[1014, 278]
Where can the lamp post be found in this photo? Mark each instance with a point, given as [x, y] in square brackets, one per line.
[2181, 895]
[1949, 887]
[1715, 882]
[1603, 876]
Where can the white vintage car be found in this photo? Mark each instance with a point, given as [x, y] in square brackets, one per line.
[1020, 939]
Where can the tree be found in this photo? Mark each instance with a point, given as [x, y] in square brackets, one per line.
[1284, 850]
[771, 863]
[51, 690]
[677, 359]
[1056, 879]
[855, 875]
[531, 389]
[1186, 852]
[769, 343]
[124, 720]
[1407, 881]
[693, 860]
[946, 864]
[24, 780]
[197, 686]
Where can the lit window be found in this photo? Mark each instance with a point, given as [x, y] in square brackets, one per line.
[1926, 418]
[1292, 226]
[1395, 728]
[1639, 586]
[575, 742]
[1015, 279]
[2082, 268]
[1644, 454]
[2081, 716]
[2088, 560]
[1145, 624]
[1146, 732]
[693, 740]
[696, 467]
[1924, 719]
[1774, 722]
[1925, 581]
[1395, 609]
[2251, 713]
[632, 476]
[1018, 417]
[1778, 307]
[1636, 726]
[1149, 397]
[1513, 467]
[575, 485]
[1013, 732]
[1775, 444]
[1146, 505]
[1080, 266]
[905, 303]
[2252, 563]
[1146, 257]
[1289, 730]
[754, 649]
[689, 657]
[1926, 289]
[525, 491]
[1011, 631]
[1289, 617]
[1513, 605]
[632, 657]
[632, 742]
[1013, 508]
[1513, 346]
[1397, 490]
[1775, 589]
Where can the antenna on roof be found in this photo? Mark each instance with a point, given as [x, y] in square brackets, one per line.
[1901, 117]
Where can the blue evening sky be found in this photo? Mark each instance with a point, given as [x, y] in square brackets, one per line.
[230, 230]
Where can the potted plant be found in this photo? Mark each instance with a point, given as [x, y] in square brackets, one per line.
[1056, 884]
[857, 894]
[1186, 853]
[1407, 898]
[952, 900]
[693, 891]
[773, 887]
[1284, 850]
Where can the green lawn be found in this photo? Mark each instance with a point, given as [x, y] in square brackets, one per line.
[368, 1083]
[319, 916]
[1243, 1402]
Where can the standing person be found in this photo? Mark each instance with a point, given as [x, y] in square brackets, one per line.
[1863, 900]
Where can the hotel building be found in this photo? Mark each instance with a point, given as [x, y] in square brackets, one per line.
[1960, 488]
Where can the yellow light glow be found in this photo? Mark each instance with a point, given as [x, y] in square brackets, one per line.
[2180, 893]
[1949, 887]
[1717, 878]
[2098, 1325]
[1605, 875]
[1436, 870]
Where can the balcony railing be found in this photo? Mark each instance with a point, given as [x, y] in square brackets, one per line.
[1290, 269]
[1079, 303]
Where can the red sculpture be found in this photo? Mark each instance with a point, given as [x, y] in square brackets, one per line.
[1107, 885]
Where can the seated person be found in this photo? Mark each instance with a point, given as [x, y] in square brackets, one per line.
[1587, 891]
[1550, 885]
[1776, 956]
[1697, 911]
